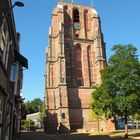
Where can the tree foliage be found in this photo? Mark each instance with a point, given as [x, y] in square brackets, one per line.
[31, 107]
[42, 116]
[119, 93]
[36, 104]
[28, 125]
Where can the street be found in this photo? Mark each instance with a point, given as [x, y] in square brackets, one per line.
[37, 136]
[86, 136]
[43, 136]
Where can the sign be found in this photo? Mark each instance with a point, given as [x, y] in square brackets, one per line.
[77, 26]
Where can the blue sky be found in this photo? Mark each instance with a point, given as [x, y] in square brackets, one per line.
[120, 22]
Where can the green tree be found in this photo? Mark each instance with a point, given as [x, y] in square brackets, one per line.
[26, 109]
[31, 107]
[36, 104]
[42, 116]
[119, 93]
[29, 125]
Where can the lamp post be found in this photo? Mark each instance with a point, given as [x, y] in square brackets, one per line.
[17, 3]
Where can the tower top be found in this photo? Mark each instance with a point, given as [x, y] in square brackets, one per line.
[59, 0]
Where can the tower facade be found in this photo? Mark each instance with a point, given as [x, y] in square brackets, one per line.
[74, 58]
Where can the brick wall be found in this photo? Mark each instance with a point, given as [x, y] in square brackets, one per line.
[76, 55]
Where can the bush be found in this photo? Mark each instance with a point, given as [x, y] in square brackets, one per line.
[22, 124]
[29, 125]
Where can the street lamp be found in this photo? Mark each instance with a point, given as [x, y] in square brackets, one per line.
[17, 3]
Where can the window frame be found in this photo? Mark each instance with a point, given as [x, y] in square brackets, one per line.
[4, 42]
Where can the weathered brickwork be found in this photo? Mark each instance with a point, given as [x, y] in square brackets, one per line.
[74, 58]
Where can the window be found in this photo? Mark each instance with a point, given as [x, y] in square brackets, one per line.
[63, 115]
[14, 71]
[78, 63]
[4, 43]
[90, 65]
[76, 19]
[76, 15]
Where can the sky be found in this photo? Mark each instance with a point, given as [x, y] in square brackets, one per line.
[120, 22]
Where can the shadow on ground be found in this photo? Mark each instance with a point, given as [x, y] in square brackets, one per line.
[87, 136]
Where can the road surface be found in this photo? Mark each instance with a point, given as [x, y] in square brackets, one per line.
[86, 136]
[43, 136]
[37, 136]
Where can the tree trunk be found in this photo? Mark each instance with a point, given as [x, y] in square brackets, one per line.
[126, 126]
[137, 124]
[98, 126]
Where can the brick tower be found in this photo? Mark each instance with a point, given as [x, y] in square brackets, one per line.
[74, 58]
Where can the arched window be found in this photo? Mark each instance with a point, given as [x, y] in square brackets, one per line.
[68, 56]
[89, 56]
[78, 65]
[76, 21]
[90, 64]
[76, 16]
[78, 52]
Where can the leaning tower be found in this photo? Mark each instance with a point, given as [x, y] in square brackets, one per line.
[74, 58]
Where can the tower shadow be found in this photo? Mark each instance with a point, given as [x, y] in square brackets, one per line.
[72, 81]
[75, 109]
[51, 122]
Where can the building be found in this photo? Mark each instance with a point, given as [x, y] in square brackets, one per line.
[35, 117]
[11, 74]
[74, 58]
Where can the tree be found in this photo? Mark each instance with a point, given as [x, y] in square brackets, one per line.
[29, 125]
[26, 109]
[119, 93]
[31, 107]
[36, 104]
[42, 116]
